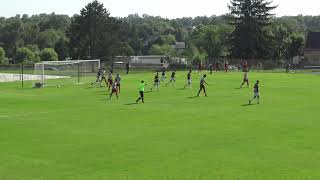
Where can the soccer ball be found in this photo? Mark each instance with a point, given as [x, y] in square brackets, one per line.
[59, 86]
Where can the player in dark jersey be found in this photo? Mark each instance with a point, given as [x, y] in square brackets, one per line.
[189, 80]
[245, 79]
[202, 87]
[163, 77]
[127, 67]
[117, 79]
[173, 79]
[156, 82]
[98, 80]
[211, 68]
[114, 90]
[256, 93]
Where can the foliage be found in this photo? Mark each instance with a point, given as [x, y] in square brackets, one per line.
[3, 58]
[25, 55]
[94, 34]
[48, 54]
[250, 38]
[161, 50]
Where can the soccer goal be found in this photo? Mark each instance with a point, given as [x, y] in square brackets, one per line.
[63, 72]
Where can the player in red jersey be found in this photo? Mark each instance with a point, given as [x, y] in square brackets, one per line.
[245, 66]
[226, 66]
[114, 90]
[217, 66]
[245, 79]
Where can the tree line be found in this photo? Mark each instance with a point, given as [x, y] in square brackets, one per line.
[249, 31]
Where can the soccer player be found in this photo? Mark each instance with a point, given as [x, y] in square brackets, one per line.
[211, 68]
[127, 67]
[173, 79]
[288, 68]
[226, 66]
[256, 93]
[245, 66]
[156, 82]
[199, 67]
[110, 80]
[202, 87]
[245, 79]
[217, 66]
[118, 81]
[163, 77]
[141, 91]
[114, 90]
[189, 80]
[103, 77]
[98, 77]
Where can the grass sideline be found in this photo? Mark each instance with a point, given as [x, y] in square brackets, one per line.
[74, 132]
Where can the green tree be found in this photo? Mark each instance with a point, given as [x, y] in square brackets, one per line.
[212, 39]
[161, 50]
[250, 38]
[62, 49]
[11, 36]
[280, 41]
[26, 55]
[296, 44]
[94, 34]
[48, 54]
[3, 58]
[49, 38]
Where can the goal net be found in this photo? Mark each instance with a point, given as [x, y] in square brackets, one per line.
[65, 72]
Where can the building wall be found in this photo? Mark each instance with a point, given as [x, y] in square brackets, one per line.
[312, 57]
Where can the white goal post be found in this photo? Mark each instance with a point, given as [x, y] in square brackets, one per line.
[71, 70]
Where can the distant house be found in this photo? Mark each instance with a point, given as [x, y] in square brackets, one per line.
[141, 59]
[312, 49]
[179, 45]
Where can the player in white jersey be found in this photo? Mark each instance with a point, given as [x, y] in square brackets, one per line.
[118, 81]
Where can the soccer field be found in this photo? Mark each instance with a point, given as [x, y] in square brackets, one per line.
[74, 132]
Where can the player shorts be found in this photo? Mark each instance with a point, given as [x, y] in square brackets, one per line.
[245, 80]
[173, 79]
[114, 90]
[141, 94]
[189, 81]
[256, 94]
[156, 83]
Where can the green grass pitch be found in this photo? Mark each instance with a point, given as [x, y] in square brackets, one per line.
[74, 132]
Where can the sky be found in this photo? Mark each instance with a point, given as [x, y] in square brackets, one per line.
[165, 8]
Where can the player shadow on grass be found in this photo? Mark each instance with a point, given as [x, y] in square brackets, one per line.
[245, 105]
[192, 97]
[130, 104]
